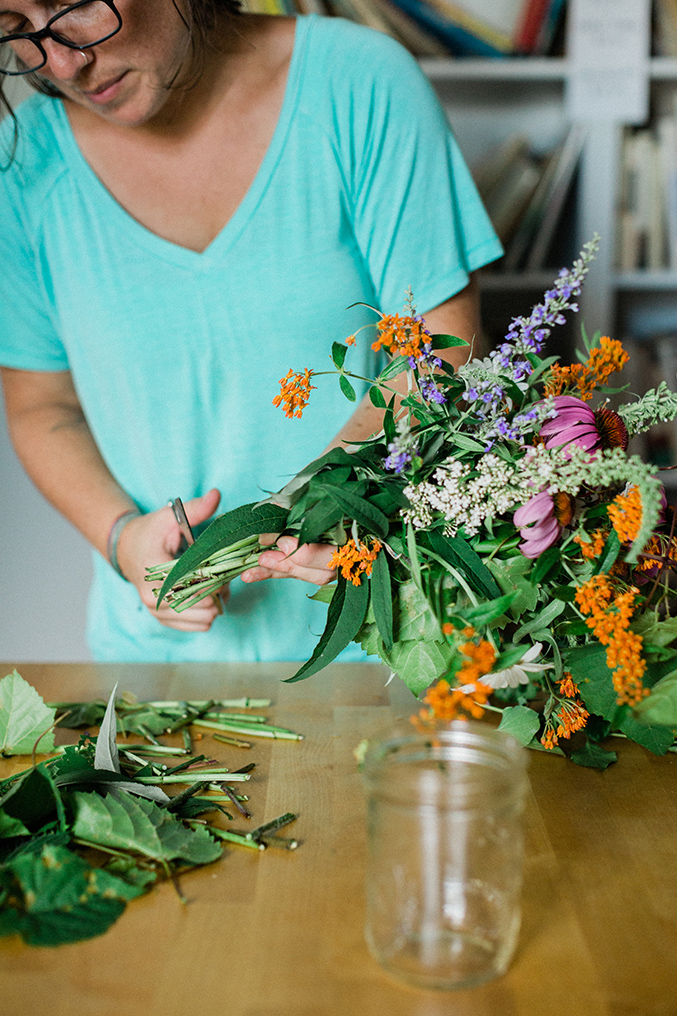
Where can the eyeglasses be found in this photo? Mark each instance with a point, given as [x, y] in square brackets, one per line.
[81, 26]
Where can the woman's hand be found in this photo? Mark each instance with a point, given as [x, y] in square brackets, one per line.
[155, 538]
[309, 563]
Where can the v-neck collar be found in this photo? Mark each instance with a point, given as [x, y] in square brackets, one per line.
[167, 249]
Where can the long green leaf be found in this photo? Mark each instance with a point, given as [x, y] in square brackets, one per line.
[365, 514]
[346, 613]
[458, 552]
[446, 341]
[23, 717]
[382, 598]
[248, 520]
[321, 517]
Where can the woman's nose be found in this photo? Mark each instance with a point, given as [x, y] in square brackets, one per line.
[63, 63]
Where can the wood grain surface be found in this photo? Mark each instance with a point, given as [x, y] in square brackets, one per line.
[280, 933]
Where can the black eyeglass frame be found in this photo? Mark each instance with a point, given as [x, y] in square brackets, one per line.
[48, 33]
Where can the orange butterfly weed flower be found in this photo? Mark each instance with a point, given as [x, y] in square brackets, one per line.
[354, 561]
[609, 618]
[604, 359]
[625, 513]
[295, 392]
[592, 548]
[445, 702]
[402, 336]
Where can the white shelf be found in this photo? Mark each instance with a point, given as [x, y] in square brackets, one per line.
[646, 281]
[490, 69]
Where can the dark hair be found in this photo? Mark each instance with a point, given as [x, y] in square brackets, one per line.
[201, 18]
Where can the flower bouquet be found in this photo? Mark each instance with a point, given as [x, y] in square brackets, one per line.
[496, 545]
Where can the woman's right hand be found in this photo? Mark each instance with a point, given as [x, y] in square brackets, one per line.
[155, 538]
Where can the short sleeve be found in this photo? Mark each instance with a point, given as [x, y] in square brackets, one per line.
[28, 340]
[418, 218]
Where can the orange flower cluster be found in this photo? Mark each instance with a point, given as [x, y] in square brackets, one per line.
[658, 546]
[604, 359]
[610, 616]
[403, 336]
[592, 548]
[569, 716]
[445, 702]
[354, 561]
[295, 391]
[625, 513]
[480, 660]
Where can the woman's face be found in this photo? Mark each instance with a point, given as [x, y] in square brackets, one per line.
[124, 79]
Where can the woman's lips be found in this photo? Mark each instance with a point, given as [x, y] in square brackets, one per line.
[107, 91]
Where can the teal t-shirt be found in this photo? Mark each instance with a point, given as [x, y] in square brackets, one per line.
[177, 355]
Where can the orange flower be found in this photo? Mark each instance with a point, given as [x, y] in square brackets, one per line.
[480, 660]
[590, 549]
[568, 716]
[604, 359]
[445, 702]
[625, 513]
[610, 617]
[354, 561]
[402, 336]
[295, 391]
[350, 341]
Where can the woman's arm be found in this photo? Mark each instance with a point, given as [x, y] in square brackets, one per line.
[458, 316]
[55, 445]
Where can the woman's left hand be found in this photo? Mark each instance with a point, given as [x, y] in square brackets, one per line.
[309, 563]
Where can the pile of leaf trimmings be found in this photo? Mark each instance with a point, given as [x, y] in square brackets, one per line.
[91, 828]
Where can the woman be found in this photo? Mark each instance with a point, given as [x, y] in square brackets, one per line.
[188, 219]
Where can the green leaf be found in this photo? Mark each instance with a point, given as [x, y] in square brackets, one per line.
[446, 341]
[23, 717]
[321, 517]
[344, 619]
[338, 354]
[543, 619]
[106, 754]
[543, 565]
[593, 756]
[588, 667]
[460, 554]
[415, 619]
[660, 707]
[382, 598]
[140, 827]
[248, 520]
[376, 396]
[509, 574]
[612, 549]
[418, 663]
[466, 443]
[395, 367]
[520, 722]
[365, 514]
[654, 738]
[55, 897]
[34, 800]
[484, 613]
[347, 388]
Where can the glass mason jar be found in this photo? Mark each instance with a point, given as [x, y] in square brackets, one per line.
[445, 846]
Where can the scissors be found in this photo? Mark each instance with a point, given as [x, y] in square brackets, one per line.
[188, 538]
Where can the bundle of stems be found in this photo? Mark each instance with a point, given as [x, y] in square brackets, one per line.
[214, 572]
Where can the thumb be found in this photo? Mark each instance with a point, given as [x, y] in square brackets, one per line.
[198, 509]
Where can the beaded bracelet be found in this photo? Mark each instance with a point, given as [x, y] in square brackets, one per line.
[114, 538]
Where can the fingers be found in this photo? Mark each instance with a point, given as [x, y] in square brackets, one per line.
[196, 618]
[199, 509]
[310, 563]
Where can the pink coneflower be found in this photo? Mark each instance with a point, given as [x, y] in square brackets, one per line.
[577, 423]
[540, 521]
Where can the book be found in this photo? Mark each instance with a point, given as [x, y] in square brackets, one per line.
[533, 16]
[643, 221]
[417, 40]
[517, 251]
[559, 183]
[459, 40]
[508, 185]
[666, 129]
[484, 23]
[364, 13]
[665, 27]
[549, 25]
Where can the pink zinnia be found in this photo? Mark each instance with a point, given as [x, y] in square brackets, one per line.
[577, 423]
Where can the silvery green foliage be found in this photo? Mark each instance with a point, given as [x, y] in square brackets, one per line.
[656, 406]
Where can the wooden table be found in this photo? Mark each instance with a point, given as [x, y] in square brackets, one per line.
[281, 933]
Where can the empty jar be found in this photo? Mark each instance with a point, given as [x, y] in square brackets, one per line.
[445, 846]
